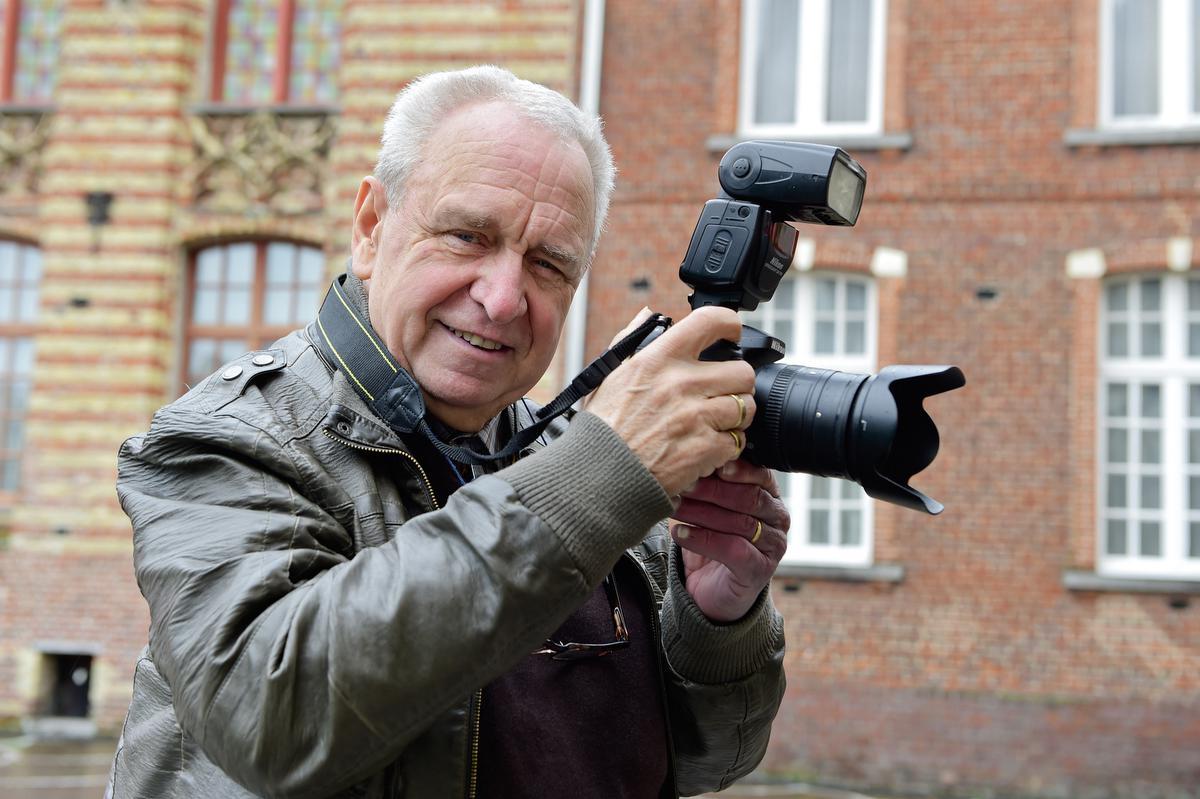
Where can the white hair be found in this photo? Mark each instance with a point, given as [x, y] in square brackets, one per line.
[425, 102]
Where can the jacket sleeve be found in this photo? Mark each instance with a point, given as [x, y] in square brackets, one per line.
[725, 683]
[301, 667]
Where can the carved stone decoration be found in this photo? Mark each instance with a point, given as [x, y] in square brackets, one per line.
[259, 161]
[22, 139]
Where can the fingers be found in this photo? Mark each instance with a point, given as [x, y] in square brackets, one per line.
[700, 329]
[640, 317]
[755, 498]
[749, 562]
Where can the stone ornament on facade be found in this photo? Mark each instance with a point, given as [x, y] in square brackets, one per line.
[22, 138]
[260, 161]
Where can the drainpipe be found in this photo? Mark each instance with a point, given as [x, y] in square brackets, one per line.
[589, 101]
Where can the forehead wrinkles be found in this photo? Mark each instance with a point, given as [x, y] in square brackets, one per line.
[552, 188]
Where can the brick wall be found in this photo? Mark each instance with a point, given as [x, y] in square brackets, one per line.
[980, 673]
[131, 82]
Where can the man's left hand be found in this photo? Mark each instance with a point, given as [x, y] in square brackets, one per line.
[715, 524]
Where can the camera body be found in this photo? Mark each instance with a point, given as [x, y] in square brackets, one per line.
[868, 428]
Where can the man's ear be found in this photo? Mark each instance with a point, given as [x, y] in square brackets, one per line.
[370, 208]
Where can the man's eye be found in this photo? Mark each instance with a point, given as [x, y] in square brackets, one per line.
[466, 236]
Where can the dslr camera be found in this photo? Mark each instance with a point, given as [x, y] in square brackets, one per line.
[871, 429]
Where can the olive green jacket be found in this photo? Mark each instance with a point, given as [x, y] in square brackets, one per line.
[320, 628]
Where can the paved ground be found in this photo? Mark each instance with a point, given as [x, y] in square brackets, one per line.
[79, 769]
[54, 770]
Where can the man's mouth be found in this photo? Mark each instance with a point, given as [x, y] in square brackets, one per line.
[476, 340]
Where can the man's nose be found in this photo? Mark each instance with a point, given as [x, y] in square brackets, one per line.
[500, 287]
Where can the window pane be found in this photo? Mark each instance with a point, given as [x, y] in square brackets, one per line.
[785, 296]
[778, 55]
[11, 479]
[208, 266]
[1118, 400]
[783, 331]
[826, 295]
[856, 338]
[312, 266]
[849, 490]
[307, 303]
[1118, 340]
[1150, 540]
[22, 356]
[1193, 349]
[1151, 295]
[851, 528]
[1116, 296]
[823, 339]
[820, 487]
[1194, 401]
[37, 50]
[1194, 493]
[1151, 339]
[1194, 540]
[8, 262]
[205, 306]
[856, 296]
[281, 263]
[239, 269]
[1135, 57]
[1151, 498]
[315, 52]
[27, 310]
[1116, 491]
[1151, 449]
[1195, 58]
[1151, 401]
[277, 305]
[818, 527]
[237, 306]
[12, 437]
[1118, 445]
[1194, 446]
[250, 52]
[1115, 540]
[31, 264]
[230, 349]
[1194, 285]
[849, 60]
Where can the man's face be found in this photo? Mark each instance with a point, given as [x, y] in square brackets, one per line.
[470, 277]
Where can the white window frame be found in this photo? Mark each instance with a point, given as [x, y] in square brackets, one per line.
[1174, 371]
[800, 351]
[1174, 67]
[811, 80]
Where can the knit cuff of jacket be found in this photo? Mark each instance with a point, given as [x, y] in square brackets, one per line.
[593, 491]
[704, 651]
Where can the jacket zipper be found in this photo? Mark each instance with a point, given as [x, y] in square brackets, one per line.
[390, 451]
[473, 759]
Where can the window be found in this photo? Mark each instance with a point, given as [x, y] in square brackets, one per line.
[812, 67]
[244, 295]
[275, 52]
[1150, 427]
[1150, 62]
[20, 277]
[31, 41]
[828, 322]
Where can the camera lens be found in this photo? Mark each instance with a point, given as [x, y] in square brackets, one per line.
[871, 429]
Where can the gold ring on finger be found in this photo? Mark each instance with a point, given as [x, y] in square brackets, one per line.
[741, 409]
[737, 438]
[757, 531]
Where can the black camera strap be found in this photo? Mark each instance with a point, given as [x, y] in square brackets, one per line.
[349, 343]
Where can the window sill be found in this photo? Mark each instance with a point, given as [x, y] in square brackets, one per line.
[281, 109]
[1117, 137]
[721, 142]
[879, 573]
[1091, 581]
[17, 108]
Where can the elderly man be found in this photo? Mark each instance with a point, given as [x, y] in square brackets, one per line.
[343, 603]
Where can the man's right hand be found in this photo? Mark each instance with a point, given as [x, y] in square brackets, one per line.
[674, 411]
